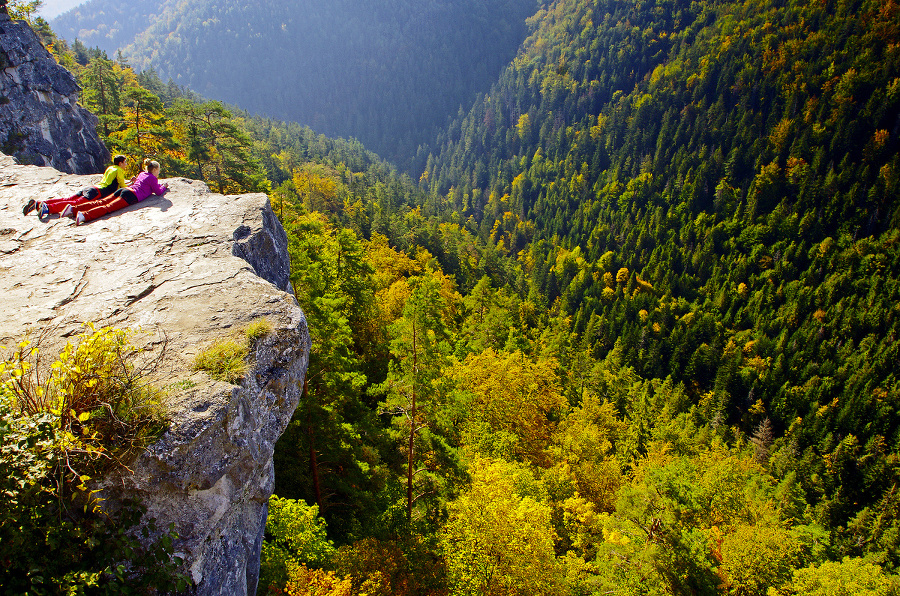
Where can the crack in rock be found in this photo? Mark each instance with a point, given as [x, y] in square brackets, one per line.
[80, 285]
[147, 291]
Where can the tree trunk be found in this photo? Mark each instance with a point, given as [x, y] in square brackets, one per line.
[103, 107]
[412, 435]
[313, 462]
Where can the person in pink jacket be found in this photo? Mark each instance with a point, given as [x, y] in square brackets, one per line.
[145, 184]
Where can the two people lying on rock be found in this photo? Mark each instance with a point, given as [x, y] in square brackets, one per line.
[113, 179]
[145, 184]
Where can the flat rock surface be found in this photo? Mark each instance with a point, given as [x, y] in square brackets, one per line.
[166, 262]
[168, 266]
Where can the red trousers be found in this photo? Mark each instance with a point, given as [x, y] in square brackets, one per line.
[94, 209]
[82, 196]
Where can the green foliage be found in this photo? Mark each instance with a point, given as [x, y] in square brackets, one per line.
[23, 9]
[583, 451]
[182, 385]
[97, 391]
[328, 455]
[655, 265]
[700, 523]
[303, 581]
[295, 534]
[420, 349]
[756, 557]
[512, 399]
[99, 378]
[497, 541]
[224, 361]
[144, 131]
[217, 148]
[55, 538]
[706, 188]
[142, 117]
[850, 576]
[392, 567]
[103, 93]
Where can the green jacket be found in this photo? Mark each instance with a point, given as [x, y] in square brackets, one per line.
[113, 173]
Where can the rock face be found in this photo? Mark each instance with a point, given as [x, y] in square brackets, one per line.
[41, 122]
[189, 269]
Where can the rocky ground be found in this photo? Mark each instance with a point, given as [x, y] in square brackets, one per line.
[187, 269]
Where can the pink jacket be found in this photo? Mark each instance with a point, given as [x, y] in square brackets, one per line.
[145, 185]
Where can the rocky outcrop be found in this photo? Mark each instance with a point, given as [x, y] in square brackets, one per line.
[188, 269]
[41, 122]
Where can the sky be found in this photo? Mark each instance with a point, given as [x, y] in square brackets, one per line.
[53, 8]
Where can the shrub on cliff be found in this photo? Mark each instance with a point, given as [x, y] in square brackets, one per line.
[93, 410]
[21, 9]
[226, 360]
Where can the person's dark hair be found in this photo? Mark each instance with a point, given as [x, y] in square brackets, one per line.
[119, 159]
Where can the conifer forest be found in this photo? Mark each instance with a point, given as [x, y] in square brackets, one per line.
[619, 316]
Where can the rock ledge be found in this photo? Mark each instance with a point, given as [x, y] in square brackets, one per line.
[188, 267]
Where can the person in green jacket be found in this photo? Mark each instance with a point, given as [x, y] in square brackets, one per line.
[113, 179]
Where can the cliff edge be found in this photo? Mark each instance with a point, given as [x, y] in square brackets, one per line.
[188, 269]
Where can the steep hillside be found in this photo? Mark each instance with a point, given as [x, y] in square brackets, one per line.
[714, 188]
[387, 73]
[109, 25]
[635, 328]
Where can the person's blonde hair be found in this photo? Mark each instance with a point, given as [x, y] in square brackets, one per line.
[149, 164]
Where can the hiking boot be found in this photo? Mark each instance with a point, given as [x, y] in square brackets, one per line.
[79, 219]
[44, 210]
[69, 211]
[29, 207]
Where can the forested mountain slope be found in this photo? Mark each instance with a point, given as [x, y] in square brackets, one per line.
[714, 188]
[632, 331]
[109, 26]
[388, 73]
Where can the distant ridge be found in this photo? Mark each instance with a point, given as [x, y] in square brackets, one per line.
[390, 73]
[107, 25]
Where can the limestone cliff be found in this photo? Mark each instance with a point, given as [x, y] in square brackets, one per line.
[41, 122]
[192, 267]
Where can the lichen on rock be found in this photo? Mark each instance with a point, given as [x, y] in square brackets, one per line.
[41, 122]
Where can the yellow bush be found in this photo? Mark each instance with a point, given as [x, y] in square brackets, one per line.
[97, 391]
[303, 581]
